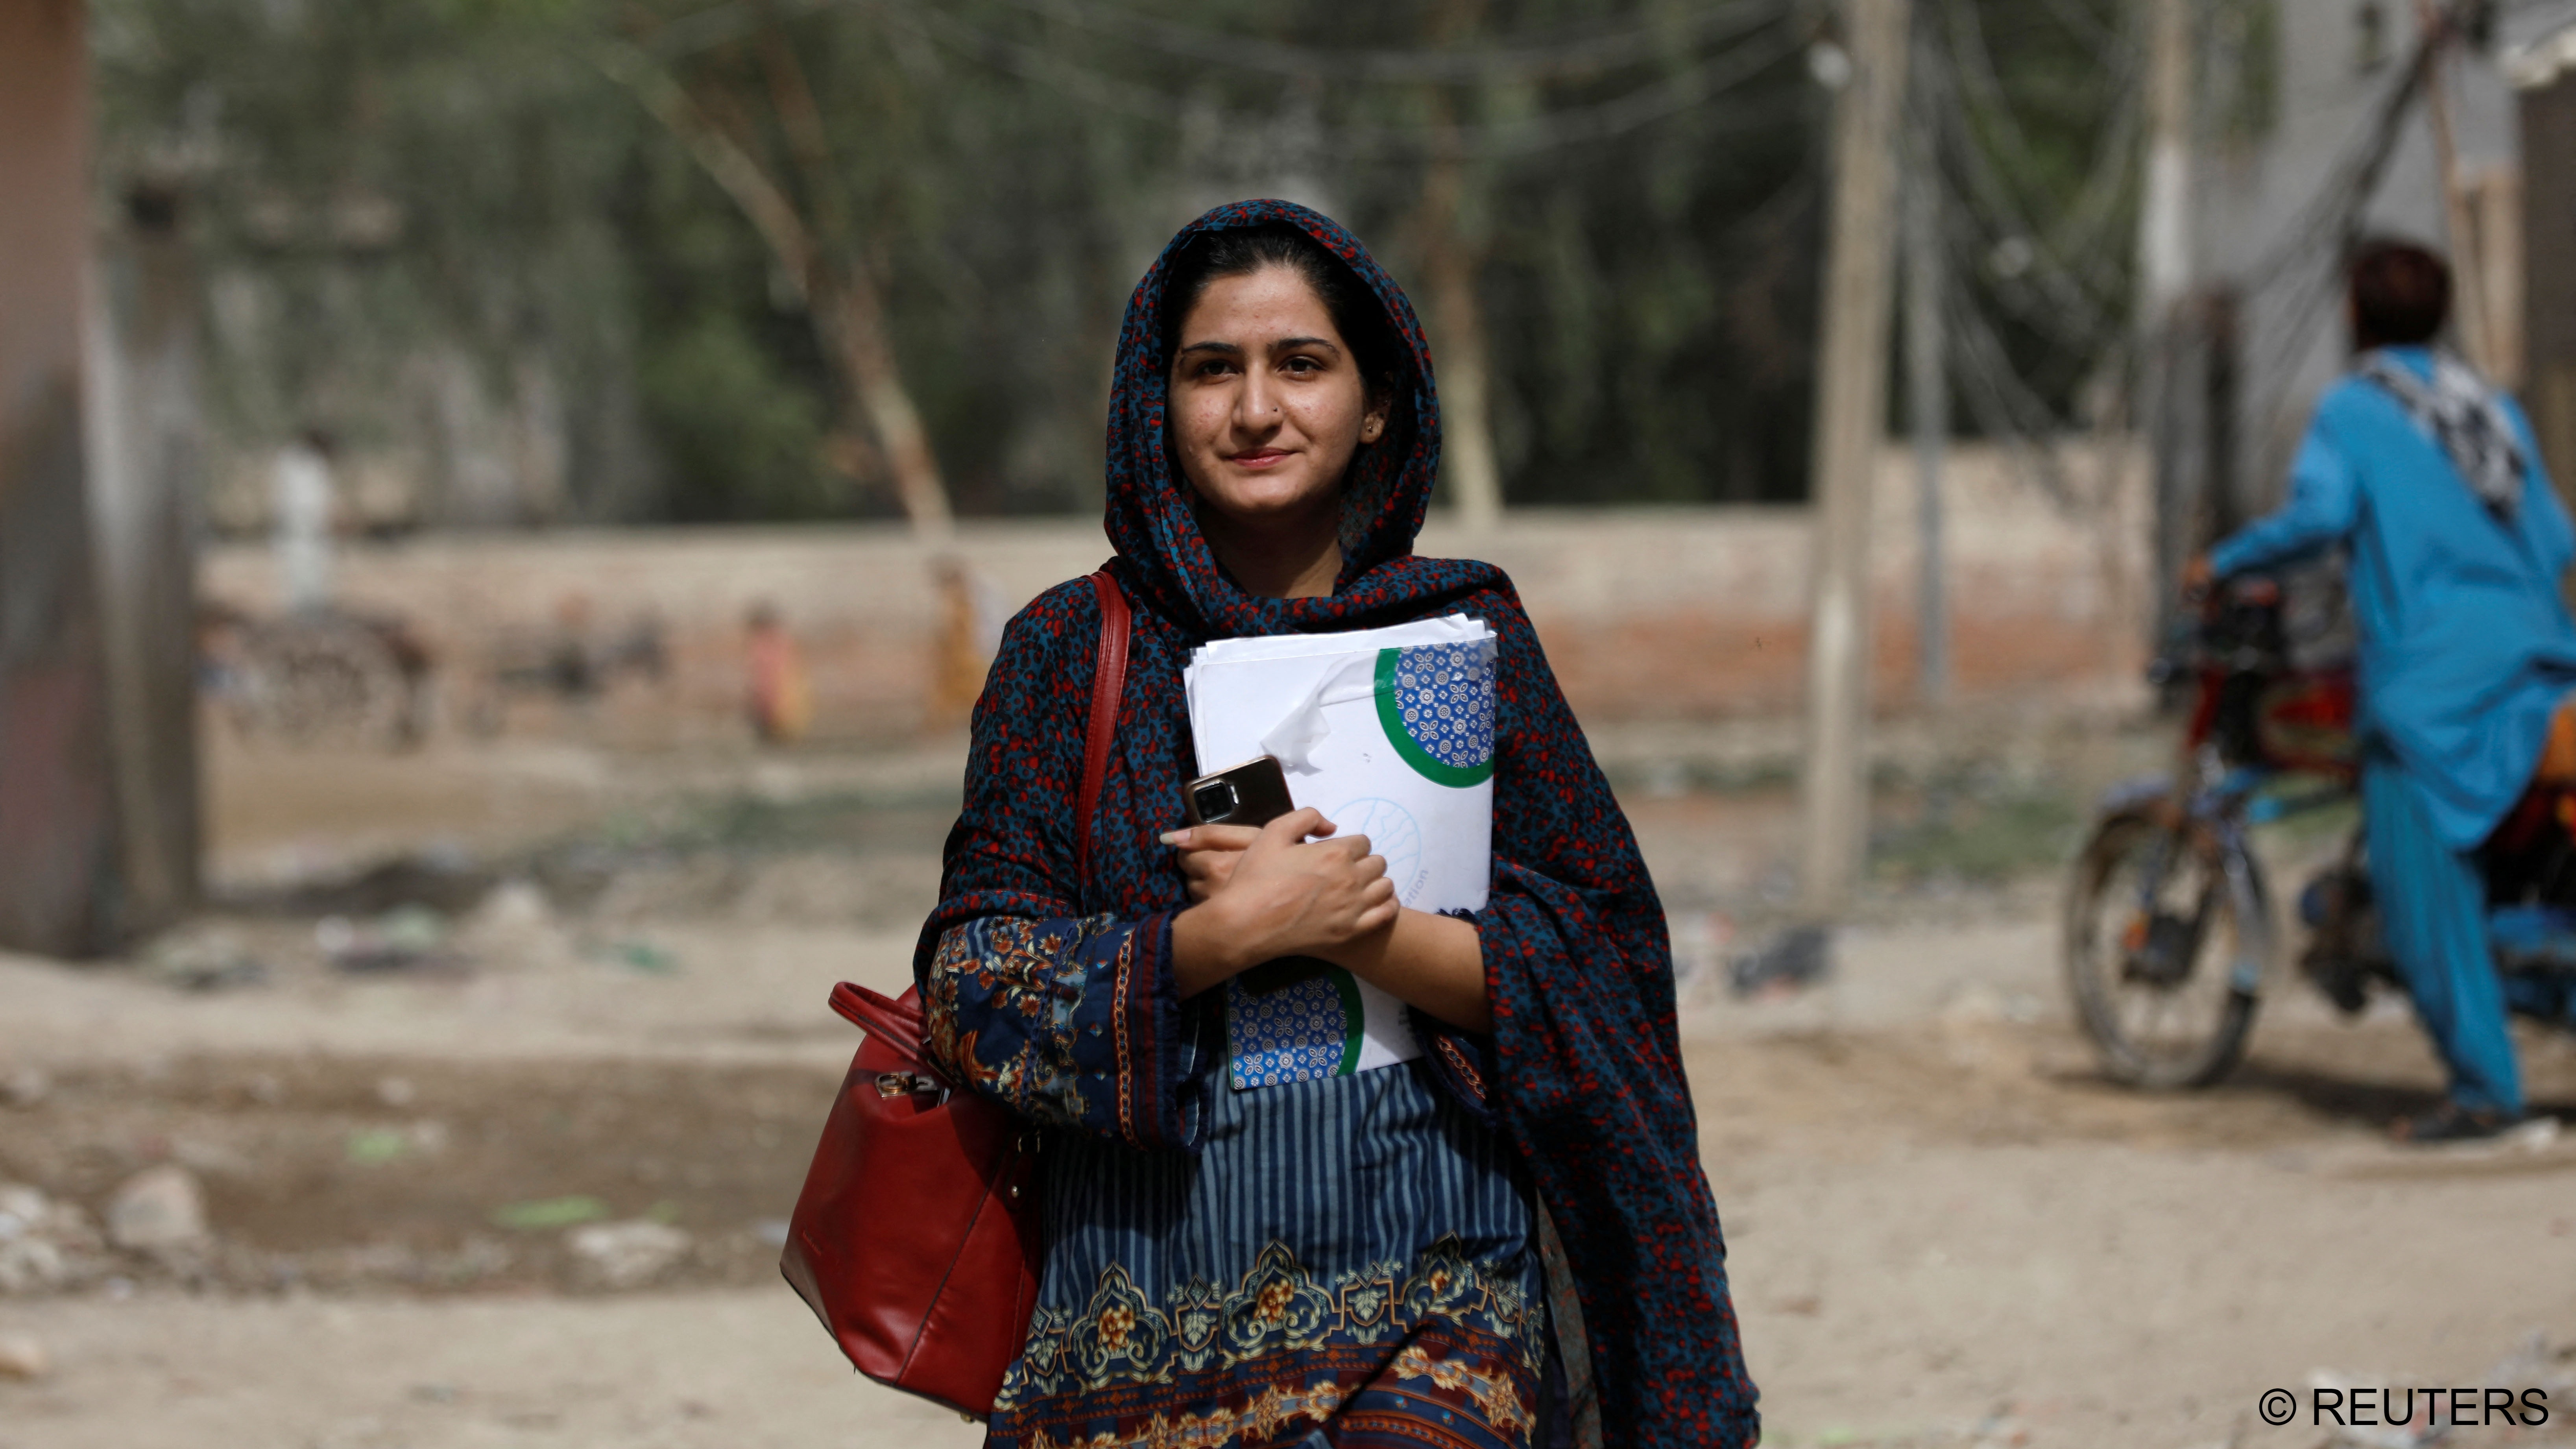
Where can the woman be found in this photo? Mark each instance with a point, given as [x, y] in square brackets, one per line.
[1351, 1260]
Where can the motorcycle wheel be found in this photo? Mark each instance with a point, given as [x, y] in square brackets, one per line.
[2156, 921]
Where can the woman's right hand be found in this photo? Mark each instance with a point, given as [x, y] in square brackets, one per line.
[1285, 896]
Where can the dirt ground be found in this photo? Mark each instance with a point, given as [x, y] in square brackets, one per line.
[1944, 1227]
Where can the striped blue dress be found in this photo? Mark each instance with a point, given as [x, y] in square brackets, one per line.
[1351, 1256]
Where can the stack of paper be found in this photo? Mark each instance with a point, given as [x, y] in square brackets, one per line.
[1389, 732]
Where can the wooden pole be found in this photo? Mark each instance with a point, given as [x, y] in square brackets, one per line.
[2164, 221]
[59, 865]
[145, 454]
[1927, 396]
[2545, 86]
[1850, 422]
[2164, 278]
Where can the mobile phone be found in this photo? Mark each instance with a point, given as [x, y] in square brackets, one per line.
[1253, 793]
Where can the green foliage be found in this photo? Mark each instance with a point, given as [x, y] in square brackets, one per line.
[742, 432]
[2245, 85]
[407, 210]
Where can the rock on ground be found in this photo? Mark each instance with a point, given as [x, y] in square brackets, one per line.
[45, 1245]
[628, 1254]
[158, 1208]
[23, 1356]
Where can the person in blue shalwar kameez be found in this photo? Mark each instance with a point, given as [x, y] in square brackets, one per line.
[2430, 482]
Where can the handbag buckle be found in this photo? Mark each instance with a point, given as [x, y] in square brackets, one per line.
[910, 1084]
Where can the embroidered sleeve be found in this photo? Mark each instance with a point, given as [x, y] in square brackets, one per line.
[1071, 1023]
[1463, 1062]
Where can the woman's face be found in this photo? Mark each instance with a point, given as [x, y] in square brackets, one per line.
[1266, 402]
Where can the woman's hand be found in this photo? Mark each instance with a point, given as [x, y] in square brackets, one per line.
[1280, 894]
[1208, 854]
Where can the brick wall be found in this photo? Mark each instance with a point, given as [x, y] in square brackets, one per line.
[1646, 613]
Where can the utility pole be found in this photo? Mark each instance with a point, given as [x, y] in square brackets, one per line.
[1927, 384]
[2164, 277]
[2164, 223]
[145, 465]
[1850, 422]
[2470, 310]
[60, 852]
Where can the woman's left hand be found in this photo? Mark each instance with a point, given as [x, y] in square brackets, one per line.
[1429, 961]
[1208, 854]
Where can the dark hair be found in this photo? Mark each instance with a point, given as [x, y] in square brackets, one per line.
[1355, 310]
[2401, 294]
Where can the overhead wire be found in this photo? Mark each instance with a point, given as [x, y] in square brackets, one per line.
[1574, 52]
[1562, 127]
[2069, 291]
[1972, 70]
[1570, 52]
[2300, 274]
[1742, 23]
[2071, 297]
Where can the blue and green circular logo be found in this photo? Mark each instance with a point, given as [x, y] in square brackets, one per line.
[1437, 703]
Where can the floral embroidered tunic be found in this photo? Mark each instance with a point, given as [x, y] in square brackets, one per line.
[1353, 1251]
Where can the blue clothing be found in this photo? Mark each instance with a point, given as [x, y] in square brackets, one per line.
[1361, 1235]
[2466, 643]
[2433, 911]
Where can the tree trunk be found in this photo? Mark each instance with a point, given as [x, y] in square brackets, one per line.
[1466, 376]
[848, 310]
[1451, 258]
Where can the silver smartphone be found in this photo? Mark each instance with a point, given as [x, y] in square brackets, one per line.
[1253, 793]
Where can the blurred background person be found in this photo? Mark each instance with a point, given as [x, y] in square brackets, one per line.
[304, 507]
[969, 629]
[2429, 478]
[778, 697]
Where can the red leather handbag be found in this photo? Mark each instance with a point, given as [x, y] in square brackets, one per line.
[915, 1239]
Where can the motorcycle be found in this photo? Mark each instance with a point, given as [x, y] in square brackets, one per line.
[2169, 929]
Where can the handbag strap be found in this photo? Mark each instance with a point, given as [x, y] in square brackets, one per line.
[1108, 686]
[898, 1019]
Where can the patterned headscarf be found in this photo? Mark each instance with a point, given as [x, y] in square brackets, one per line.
[2462, 416]
[1156, 531]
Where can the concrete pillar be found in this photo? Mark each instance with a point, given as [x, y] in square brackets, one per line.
[58, 836]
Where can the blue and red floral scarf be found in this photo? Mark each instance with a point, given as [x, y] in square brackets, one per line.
[1584, 1069]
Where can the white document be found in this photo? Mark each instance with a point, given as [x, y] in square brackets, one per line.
[1390, 733]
